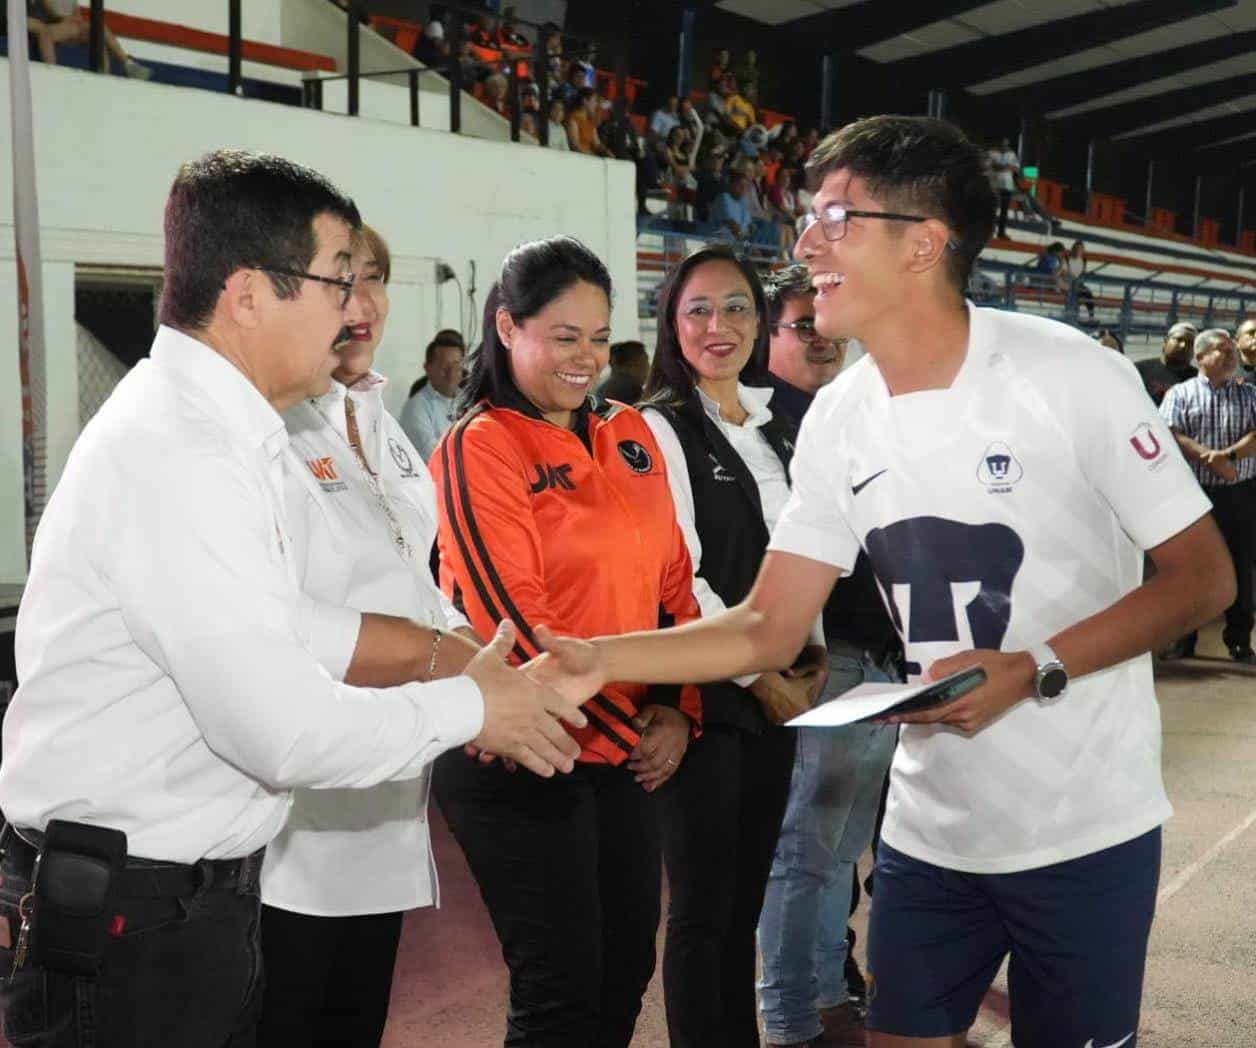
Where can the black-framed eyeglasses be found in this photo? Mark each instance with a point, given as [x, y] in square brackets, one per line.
[806, 331]
[833, 219]
[345, 283]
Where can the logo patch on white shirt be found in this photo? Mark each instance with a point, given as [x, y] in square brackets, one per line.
[402, 457]
[324, 470]
[999, 470]
[1144, 441]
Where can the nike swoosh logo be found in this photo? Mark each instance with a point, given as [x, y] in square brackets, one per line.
[1114, 1044]
[855, 489]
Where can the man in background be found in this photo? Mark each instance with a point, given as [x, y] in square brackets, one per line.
[1213, 419]
[1174, 365]
[430, 410]
[630, 366]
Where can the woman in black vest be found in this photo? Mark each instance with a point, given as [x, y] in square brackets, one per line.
[728, 459]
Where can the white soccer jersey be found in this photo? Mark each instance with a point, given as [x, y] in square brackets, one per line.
[996, 513]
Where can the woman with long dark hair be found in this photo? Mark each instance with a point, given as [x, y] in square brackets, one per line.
[728, 460]
[555, 512]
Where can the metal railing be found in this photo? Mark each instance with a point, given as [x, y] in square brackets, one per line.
[1125, 306]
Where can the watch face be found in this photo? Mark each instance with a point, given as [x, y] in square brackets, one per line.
[1052, 682]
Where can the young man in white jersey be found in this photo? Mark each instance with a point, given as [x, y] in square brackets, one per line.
[1005, 481]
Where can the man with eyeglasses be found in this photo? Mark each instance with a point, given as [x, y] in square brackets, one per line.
[176, 684]
[810, 983]
[1004, 479]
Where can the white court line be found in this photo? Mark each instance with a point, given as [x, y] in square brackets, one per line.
[1184, 877]
[1187, 875]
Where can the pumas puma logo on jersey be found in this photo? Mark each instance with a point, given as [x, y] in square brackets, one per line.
[558, 477]
[855, 489]
[1115, 1044]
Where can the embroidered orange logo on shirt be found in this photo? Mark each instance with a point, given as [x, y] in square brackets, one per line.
[322, 468]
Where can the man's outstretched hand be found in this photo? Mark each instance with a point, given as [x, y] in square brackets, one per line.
[523, 714]
[573, 668]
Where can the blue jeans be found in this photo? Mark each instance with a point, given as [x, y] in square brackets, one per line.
[833, 799]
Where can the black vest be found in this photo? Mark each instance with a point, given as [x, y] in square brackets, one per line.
[729, 520]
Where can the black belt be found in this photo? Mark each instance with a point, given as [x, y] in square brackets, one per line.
[150, 878]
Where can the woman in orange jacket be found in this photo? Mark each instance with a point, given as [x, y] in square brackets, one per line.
[556, 511]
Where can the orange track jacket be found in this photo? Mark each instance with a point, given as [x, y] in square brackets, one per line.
[536, 527]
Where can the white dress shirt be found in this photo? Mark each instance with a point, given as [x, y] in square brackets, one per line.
[363, 543]
[426, 417]
[164, 647]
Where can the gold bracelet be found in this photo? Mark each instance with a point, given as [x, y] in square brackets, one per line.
[431, 665]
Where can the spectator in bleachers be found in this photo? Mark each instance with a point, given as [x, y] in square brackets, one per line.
[653, 174]
[433, 46]
[730, 211]
[558, 126]
[1004, 167]
[737, 108]
[665, 118]
[1075, 266]
[679, 155]
[783, 201]
[52, 25]
[527, 124]
[711, 181]
[619, 136]
[691, 118]
[1110, 339]
[554, 53]
[509, 39]
[495, 94]
[1174, 364]
[586, 62]
[582, 125]
[715, 111]
[630, 367]
[719, 69]
[568, 92]
[430, 410]
[1213, 418]
[1245, 343]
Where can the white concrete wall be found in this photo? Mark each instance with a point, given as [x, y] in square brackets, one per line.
[107, 149]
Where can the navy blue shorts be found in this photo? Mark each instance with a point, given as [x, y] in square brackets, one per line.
[1076, 931]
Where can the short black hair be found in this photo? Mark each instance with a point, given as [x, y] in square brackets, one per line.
[532, 276]
[233, 210]
[923, 164]
[626, 352]
[671, 382]
[447, 337]
[792, 281]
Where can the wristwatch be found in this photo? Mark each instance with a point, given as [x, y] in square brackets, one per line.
[1051, 678]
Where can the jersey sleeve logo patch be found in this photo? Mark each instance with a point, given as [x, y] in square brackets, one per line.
[1143, 440]
[999, 470]
[638, 459]
[322, 468]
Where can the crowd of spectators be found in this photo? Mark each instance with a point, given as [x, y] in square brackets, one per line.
[708, 158]
[712, 160]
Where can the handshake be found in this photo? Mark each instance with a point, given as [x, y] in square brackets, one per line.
[525, 707]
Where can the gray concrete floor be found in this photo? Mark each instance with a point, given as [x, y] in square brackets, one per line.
[450, 988]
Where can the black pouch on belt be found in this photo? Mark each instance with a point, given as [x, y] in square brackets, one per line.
[73, 888]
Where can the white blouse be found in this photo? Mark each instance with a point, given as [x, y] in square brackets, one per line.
[364, 543]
